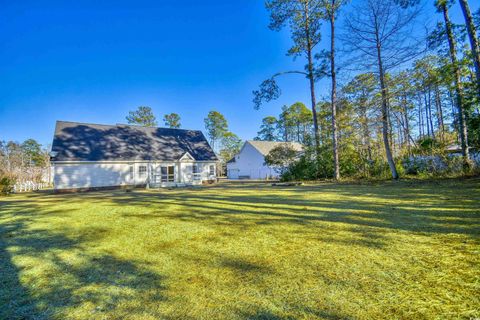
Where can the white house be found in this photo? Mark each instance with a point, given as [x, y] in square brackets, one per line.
[93, 156]
[249, 163]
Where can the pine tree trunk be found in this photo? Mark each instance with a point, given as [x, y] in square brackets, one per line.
[430, 112]
[472, 35]
[453, 106]
[458, 86]
[391, 136]
[314, 103]
[383, 88]
[400, 138]
[426, 112]
[312, 84]
[366, 132]
[407, 123]
[336, 165]
[420, 118]
[438, 104]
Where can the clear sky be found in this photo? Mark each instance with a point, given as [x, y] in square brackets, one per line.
[93, 61]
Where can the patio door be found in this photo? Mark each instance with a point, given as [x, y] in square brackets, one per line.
[167, 174]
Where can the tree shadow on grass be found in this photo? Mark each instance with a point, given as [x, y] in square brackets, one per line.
[47, 274]
[104, 284]
[308, 313]
[403, 207]
[242, 265]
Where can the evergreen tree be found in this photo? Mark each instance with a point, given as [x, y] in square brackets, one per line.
[172, 120]
[143, 116]
[216, 126]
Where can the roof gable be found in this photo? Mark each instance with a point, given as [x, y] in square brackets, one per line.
[95, 142]
[186, 157]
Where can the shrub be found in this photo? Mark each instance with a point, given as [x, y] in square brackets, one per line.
[303, 169]
[6, 184]
[435, 165]
[281, 157]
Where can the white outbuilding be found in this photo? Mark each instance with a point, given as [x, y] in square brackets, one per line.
[249, 163]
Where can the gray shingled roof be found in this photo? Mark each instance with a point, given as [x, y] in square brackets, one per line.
[264, 147]
[96, 142]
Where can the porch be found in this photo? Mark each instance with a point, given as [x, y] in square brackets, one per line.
[179, 174]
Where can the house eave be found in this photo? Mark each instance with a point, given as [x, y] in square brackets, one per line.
[123, 161]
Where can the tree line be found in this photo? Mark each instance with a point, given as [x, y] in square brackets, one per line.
[144, 116]
[22, 162]
[410, 93]
[406, 95]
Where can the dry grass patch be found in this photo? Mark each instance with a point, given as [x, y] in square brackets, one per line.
[246, 251]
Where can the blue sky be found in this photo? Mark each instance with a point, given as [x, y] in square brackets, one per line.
[93, 61]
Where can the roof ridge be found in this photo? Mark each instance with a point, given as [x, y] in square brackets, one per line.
[137, 125]
[269, 141]
[264, 146]
[89, 123]
[128, 125]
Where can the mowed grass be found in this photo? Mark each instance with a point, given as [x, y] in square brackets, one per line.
[405, 250]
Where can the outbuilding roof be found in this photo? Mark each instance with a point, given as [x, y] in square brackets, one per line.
[264, 147]
[74, 141]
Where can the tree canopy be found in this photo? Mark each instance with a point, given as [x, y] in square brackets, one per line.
[268, 129]
[172, 120]
[216, 126]
[231, 145]
[143, 116]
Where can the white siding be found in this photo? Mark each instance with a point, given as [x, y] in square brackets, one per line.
[90, 175]
[249, 162]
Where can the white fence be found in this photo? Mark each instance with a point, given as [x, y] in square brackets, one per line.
[29, 186]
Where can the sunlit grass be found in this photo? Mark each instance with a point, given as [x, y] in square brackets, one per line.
[244, 251]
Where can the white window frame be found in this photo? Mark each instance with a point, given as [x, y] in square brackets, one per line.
[131, 172]
[195, 169]
[167, 176]
[142, 171]
[211, 169]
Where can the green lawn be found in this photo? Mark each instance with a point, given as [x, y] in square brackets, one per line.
[406, 250]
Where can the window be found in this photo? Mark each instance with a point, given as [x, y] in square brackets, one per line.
[212, 170]
[129, 175]
[167, 174]
[142, 171]
[195, 169]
